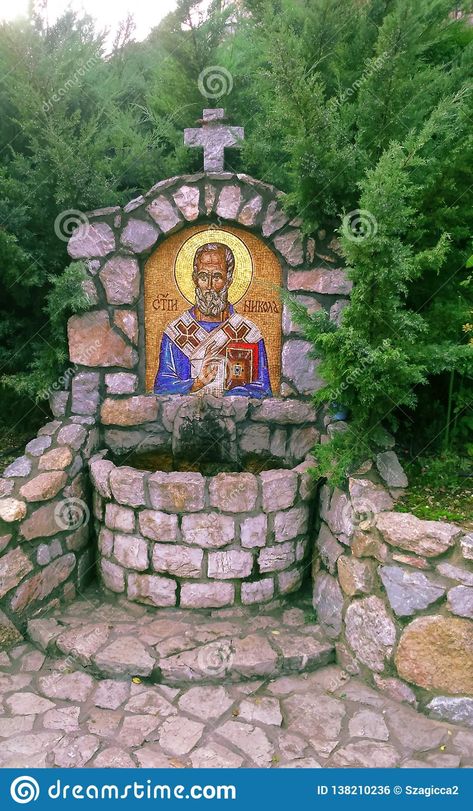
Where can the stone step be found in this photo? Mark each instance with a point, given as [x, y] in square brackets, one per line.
[176, 647]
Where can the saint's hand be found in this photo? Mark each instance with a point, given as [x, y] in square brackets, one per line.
[207, 375]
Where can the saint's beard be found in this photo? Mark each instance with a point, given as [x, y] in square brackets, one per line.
[210, 302]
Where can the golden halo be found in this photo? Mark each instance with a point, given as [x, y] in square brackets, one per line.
[184, 264]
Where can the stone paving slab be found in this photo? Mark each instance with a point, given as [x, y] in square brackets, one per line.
[177, 647]
[244, 689]
[52, 717]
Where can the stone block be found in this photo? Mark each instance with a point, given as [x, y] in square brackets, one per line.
[93, 342]
[250, 211]
[121, 383]
[105, 542]
[454, 710]
[460, 601]
[58, 402]
[56, 459]
[285, 412]
[37, 446]
[91, 240]
[320, 280]
[42, 523]
[234, 492]
[368, 498]
[367, 545]
[277, 445]
[290, 581]
[72, 435]
[163, 213]
[234, 563]
[152, 589]
[255, 439]
[127, 486]
[20, 468]
[299, 367]
[179, 561]
[113, 576]
[129, 411]
[436, 653]
[337, 309]
[85, 392]
[158, 526]
[274, 219]
[253, 531]
[370, 632]
[339, 515]
[328, 603]
[291, 523]
[429, 538]
[127, 321]
[6, 487]
[177, 492]
[40, 585]
[408, 591]
[355, 576]
[279, 488]
[186, 199]
[14, 566]
[290, 246]
[44, 486]
[259, 591]
[131, 552]
[390, 470]
[139, 235]
[207, 595]
[302, 441]
[457, 573]
[276, 558]
[208, 530]
[229, 202]
[100, 470]
[466, 546]
[120, 277]
[119, 518]
[329, 548]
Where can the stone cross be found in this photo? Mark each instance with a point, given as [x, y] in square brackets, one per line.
[214, 137]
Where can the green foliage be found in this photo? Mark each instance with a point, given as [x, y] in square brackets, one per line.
[439, 489]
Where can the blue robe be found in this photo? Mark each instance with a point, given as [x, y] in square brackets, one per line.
[174, 369]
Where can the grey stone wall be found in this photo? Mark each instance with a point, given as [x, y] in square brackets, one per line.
[396, 592]
[46, 549]
[169, 539]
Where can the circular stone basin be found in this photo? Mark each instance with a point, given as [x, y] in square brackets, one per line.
[181, 538]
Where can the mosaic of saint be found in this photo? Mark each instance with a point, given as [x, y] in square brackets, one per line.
[213, 346]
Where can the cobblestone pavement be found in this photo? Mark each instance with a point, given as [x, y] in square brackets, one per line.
[50, 716]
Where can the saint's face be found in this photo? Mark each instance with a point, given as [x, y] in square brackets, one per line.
[212, 272]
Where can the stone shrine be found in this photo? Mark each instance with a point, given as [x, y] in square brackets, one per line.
[177, 468]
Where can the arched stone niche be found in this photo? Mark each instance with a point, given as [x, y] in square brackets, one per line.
[109, 341]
